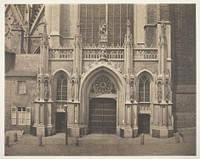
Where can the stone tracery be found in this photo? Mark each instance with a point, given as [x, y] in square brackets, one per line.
[102, 85]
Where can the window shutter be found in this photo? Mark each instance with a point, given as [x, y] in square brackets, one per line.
[28, 115]
[14, 115]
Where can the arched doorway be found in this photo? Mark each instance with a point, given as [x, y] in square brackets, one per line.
[60, 93]
[145, 96]
[102, 116]
[102, 108]
[102, 82]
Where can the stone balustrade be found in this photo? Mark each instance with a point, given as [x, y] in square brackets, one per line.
[107, 53]
[145, 53]
[61, 53]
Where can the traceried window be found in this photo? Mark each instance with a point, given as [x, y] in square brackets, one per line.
[21, 87]
[144, 89]
[114, 15]
[103, 85]
[61, 93]
[21, 115]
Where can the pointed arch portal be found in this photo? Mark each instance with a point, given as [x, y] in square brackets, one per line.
[102, 97]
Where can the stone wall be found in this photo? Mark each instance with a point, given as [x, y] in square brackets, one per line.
[183, 21]
[151, 66]
[61, 64]
[184, 120]
[183, 44]
[164, 12]
[27, 62]
[151, 13]
[184, 100]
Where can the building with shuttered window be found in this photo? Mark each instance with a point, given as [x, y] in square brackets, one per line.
[121, 69]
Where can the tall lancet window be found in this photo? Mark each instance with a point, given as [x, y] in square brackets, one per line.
[114, 15]
[144, 89]
[61, 93]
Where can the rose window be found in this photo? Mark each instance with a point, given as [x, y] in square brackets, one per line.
[102, 85]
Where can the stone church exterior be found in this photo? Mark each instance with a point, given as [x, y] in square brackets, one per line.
[121, 69]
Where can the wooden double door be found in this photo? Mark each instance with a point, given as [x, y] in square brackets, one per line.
[102, 116]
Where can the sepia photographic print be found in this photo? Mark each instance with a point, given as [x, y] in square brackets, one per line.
[109, 79]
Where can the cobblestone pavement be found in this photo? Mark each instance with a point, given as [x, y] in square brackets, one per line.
[103, 145]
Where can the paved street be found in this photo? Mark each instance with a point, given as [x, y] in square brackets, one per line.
[103, 145]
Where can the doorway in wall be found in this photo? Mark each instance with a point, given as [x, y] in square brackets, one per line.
[144, 123]
[60, 122]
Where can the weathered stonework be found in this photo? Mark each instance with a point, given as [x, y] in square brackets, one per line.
[63, 55]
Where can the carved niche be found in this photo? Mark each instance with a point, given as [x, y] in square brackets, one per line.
[159, 89]
[103, 32]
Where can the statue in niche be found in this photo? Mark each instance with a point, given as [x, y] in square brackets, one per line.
[159, 91]
[167, 90]
[103, 32]
[38, 89]
[72, 87]
[46, 92]
[132, 85]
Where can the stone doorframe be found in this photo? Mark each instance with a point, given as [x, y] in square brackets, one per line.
[87, 80]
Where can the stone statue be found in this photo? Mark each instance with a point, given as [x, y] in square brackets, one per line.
[159, 92]
[46, 90]
[103, 32]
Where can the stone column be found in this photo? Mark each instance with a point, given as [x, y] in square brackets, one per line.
[170, 115]
[36, 114]
[49, 126]
[55, 26]
[135, 119]
[48, 17]
[75, 127]
[42, 114]
[128, 63]
[161, 116]
[157, 115]
[50, 91]
[165, 116]
[77, 64]
[76, 113]
[41, 127]
[49, 115]
[128, 132]
[159, 48]
[139, 23]
[128, 115]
